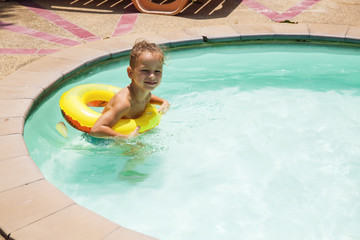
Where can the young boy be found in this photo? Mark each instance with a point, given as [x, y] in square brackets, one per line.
[145, 72]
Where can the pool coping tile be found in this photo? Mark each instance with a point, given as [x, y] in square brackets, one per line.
[18, 171]
[11, 146]
[60, 65]
[11, 125]
[290, 30]
[71, 222]
[30, 203]
[353, 35]
[181, 37]
[121, 46]
[254, 31]
[215, 33]
[124, 233]
[328, 32]
[114, 46]
[63, 218]
[15, 107]
[23, 78]
[85, 56]
[17, 92]
[149, 36]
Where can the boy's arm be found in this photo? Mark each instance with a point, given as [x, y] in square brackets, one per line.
[103, 126]
[164, 105]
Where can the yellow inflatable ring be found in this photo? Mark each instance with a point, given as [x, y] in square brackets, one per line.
[74, 107]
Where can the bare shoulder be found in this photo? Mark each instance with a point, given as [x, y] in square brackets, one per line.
[120, 101]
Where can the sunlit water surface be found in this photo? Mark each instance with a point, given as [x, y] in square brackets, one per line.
[261, 142]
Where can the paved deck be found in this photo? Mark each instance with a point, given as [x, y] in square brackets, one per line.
[32, 29]
[41, 42]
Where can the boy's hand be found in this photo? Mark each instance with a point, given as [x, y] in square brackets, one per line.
[164, 107]
[135, 132]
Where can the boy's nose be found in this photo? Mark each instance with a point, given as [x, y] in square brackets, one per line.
[152, 75]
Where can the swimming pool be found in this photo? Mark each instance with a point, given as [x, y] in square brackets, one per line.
[261, 142]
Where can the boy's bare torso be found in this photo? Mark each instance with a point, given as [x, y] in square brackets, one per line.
[135, 107]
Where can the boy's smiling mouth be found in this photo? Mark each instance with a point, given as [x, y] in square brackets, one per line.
[151, 83]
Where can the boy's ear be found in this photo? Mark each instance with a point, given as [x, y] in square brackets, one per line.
[130, 72]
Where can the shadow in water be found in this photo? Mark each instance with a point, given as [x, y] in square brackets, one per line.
[135, 153]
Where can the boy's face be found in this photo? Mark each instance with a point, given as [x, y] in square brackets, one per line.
[147, 73]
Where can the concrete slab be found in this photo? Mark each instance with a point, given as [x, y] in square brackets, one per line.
[30, 203]
[18, 171]
[23, 78]
[13, 92]
[113, 46]
[288, 30]
[353, 35]
[12, 146]
[124, 233]
[330, 32]
[254, 31]
[181, 37]
[12, 125]
[72, 222]
[15, 107]
[52, 64]
[86, 56]
[215, 33]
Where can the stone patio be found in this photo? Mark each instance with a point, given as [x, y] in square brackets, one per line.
[39, 48]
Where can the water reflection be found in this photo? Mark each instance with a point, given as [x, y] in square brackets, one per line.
[131, 153]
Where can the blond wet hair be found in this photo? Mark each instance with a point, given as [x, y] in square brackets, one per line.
[144, 46]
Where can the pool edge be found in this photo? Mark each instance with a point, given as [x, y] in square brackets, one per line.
[24, 188]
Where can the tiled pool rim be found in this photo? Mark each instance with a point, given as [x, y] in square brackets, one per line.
[30, 206]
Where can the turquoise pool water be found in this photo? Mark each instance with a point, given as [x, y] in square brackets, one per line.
[261, 142]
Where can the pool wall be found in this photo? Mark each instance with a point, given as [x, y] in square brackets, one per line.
[30, 206]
